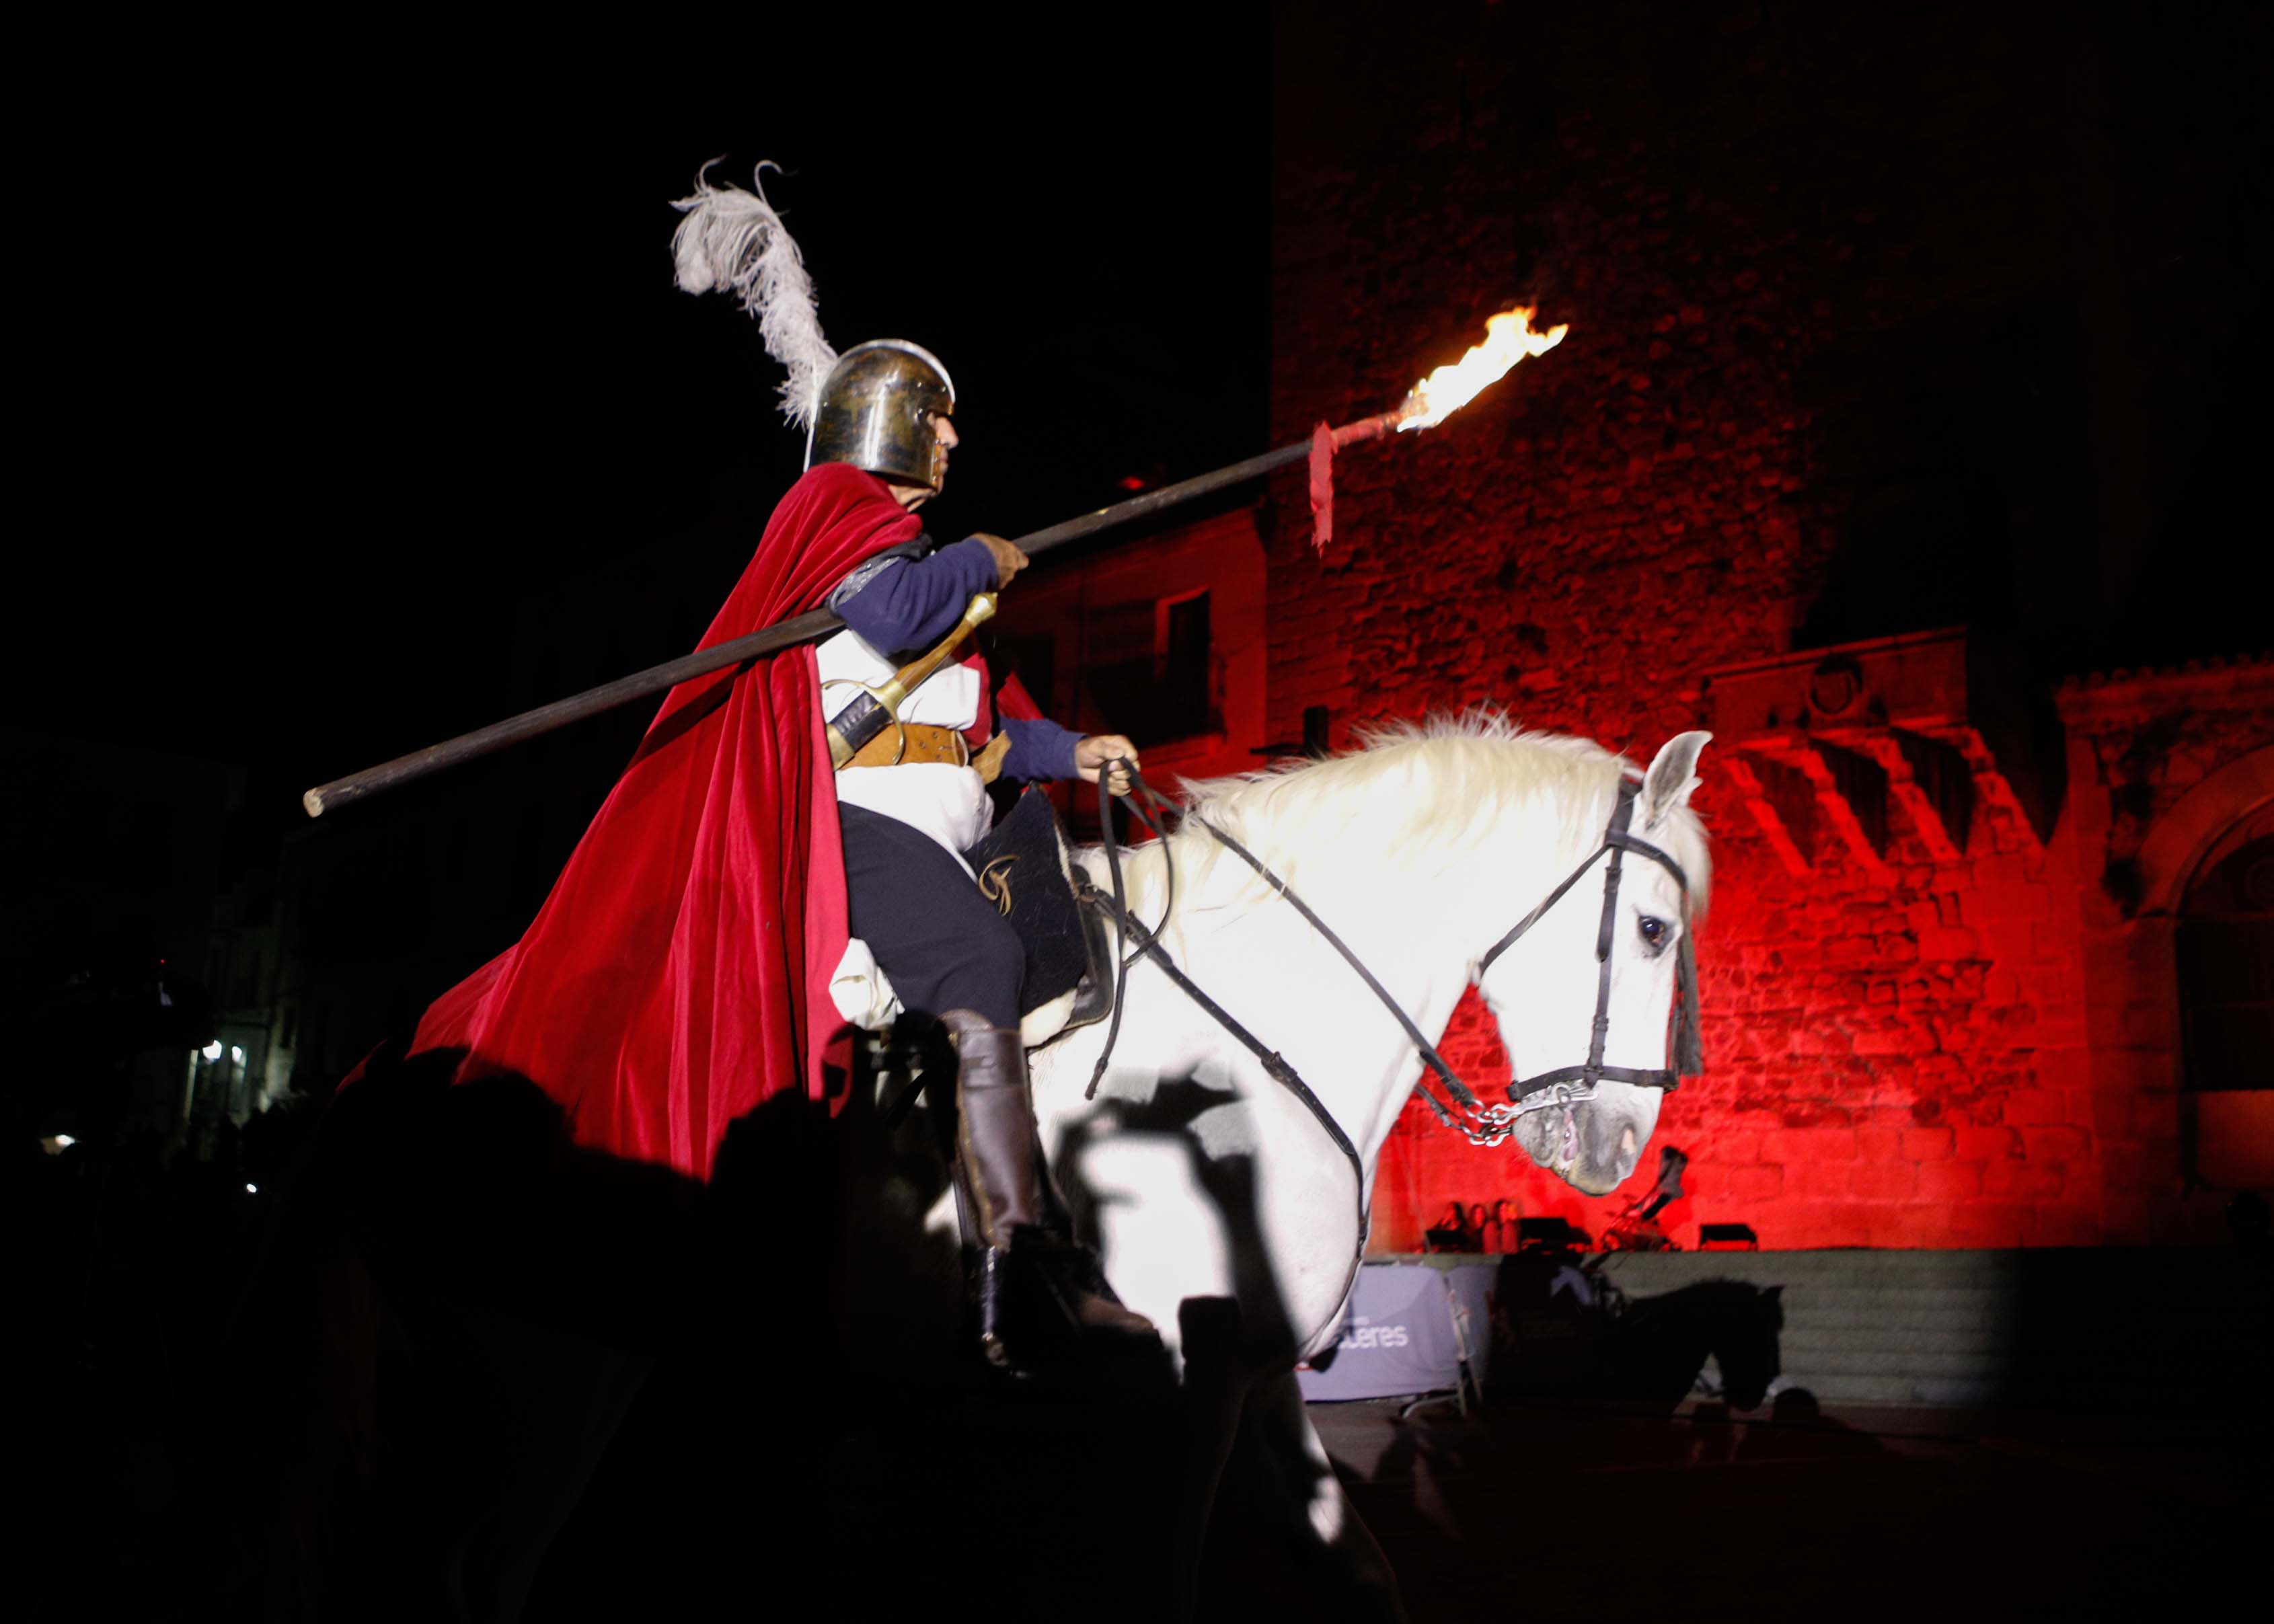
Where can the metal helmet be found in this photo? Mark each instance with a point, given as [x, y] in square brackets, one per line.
[876, 412]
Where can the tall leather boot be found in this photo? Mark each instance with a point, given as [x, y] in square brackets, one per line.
[1000, 1163]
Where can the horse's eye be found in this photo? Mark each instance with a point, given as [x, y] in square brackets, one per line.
[1654, 933]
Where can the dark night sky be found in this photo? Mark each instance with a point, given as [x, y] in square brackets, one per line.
[368, 412]
[378, 414]
[431, 366]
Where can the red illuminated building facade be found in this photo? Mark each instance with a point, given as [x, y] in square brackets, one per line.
[1843, 459]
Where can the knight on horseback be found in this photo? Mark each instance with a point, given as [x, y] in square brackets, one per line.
[1284, 953]
[912, 801]
[688, 967]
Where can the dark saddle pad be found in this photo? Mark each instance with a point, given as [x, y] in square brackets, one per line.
[1023, 869]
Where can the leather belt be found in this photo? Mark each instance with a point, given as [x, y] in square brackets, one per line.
[925, 743]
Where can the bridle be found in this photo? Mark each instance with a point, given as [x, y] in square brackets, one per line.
[1486, 1125]
[1573, 1085]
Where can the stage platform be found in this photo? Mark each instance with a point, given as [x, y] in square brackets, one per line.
[2098, 1328]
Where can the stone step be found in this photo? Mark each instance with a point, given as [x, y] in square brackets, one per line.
[1900, 1390]
[1846, 1313]
[1801, 1344]
[1960, 1329]
[1824, 1362]
[1878, 1294]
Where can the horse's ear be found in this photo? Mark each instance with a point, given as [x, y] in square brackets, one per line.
[1672, 776]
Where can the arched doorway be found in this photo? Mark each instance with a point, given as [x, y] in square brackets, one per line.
[2224, 957]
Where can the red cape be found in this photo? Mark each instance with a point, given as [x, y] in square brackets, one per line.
[678, 974]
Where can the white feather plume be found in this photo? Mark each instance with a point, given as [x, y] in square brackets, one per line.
[732, 241]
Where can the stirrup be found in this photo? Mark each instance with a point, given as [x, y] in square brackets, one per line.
[1045, 1301]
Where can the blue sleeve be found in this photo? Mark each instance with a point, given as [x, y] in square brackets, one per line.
[910, 604]
[1039, 749]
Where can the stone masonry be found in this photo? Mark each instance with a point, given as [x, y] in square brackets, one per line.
[1932, 1047]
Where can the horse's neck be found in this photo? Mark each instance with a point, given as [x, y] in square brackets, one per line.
[1415, 917]
[1321, 1017]
[1418, 924]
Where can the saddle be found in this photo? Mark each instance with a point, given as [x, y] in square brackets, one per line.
[1025, 868]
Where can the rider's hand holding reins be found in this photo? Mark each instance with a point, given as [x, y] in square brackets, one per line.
[1093, 754]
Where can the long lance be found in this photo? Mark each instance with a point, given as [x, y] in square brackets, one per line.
[787, 634]
[1509, 339]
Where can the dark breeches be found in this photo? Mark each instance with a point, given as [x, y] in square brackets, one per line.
[946, 946]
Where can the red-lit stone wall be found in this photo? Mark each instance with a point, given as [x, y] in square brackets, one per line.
[1920, 1052]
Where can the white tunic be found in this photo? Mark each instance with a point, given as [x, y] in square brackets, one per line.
[947, 802]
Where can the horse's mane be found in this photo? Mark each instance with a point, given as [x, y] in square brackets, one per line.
[1451, 778]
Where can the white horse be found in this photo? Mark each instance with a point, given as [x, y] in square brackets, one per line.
[1208, 1187]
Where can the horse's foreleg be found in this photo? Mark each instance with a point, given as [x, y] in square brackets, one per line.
[1284, 1469]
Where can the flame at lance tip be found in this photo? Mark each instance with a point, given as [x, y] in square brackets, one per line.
[1508, 338]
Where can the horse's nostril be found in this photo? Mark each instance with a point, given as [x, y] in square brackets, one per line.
[1627, 1147]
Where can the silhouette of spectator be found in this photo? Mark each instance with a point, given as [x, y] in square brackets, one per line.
[1505, 1220]
[1796, 1407]
[1448, 1233]
[1480, 1228]
[1800, 1430]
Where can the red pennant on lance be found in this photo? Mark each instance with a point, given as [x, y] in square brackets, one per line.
[1325, 441]
[1323, 486]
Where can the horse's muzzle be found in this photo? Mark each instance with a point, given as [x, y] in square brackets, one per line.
[1592, 1146]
